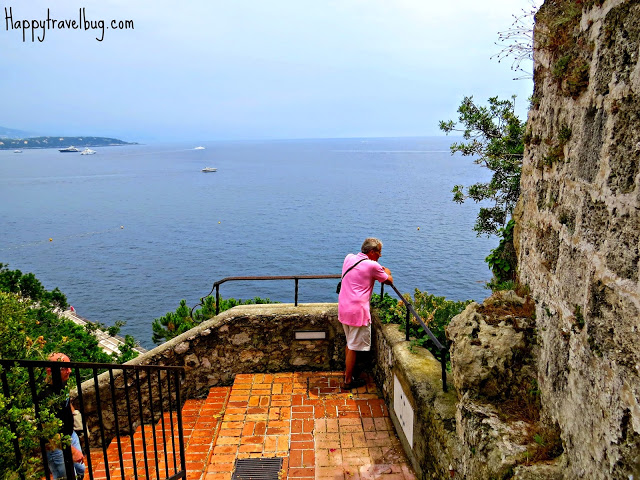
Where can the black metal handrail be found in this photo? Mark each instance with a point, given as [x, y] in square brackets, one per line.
[96, 400]
[442, 349]
[216, 285]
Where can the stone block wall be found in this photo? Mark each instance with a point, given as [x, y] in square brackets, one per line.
[578, 232]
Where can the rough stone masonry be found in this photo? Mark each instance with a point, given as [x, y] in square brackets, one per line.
[578, 230]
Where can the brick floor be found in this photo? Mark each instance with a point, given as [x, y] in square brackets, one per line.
[201, 420]
[319, 430]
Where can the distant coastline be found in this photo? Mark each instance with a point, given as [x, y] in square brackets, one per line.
[60, 142]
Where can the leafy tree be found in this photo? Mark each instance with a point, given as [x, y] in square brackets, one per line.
[31, 287]
[40, 321]
[28, 286]
[9, 279]
[175, 323]
[56, 298]
[172, 324]
[494, 137]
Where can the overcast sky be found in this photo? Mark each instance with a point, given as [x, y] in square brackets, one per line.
[244, 69]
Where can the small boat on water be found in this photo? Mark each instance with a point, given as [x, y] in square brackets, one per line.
[87, 151]
[69, 149]
[199, 148]
[17, 151]
[209, 169]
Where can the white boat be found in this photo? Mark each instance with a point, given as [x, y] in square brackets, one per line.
[69, 149]
[17, 151]
[209, 169]
[87, 151]
[199, 148]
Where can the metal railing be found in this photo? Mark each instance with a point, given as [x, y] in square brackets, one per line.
[442, 349]
[143, 396]
[297, 278]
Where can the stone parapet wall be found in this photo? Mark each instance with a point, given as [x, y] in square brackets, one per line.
[435, 447]
[578, 231]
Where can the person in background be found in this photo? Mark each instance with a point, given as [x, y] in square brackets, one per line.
[65, 414]
[359, 273]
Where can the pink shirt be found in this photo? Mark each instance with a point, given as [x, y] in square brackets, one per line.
[357, 286]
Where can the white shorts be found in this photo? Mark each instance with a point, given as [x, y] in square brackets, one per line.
[358, 338]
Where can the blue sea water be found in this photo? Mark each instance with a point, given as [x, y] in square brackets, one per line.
[135, 229]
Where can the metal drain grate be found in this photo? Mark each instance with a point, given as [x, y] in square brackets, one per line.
[257, 468]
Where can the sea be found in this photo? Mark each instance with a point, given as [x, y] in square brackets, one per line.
[130, 231]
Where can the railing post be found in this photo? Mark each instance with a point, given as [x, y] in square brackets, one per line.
[43, 445]
[183, 464]
[14, 431]
[381, 290]
[114, 405]
[407, 320]
[217, 299]
[296, 295]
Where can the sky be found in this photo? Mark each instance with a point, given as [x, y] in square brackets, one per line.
[251, 69]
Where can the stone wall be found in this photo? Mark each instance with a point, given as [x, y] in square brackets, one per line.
[480, 428]
[578, 230]
[245, 339]
[435, 448]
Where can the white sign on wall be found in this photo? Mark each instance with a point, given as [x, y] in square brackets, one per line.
[403, 410]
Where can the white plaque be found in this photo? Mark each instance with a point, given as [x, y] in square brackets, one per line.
[310, 335]
[403, 410]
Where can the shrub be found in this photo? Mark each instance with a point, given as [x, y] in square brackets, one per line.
[436, 312]
[503, 260]
[175, 323]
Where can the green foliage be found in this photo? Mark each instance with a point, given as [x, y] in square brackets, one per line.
[176, 323]
[31, 329]
[18, 410]
[564, 135]
[559, 34]
[172, 324]
[28, 286]
[38, 321]
[127, 351]
[26, 332]
[577, 312]
[495, 137]
[436, 312]
[503, 260]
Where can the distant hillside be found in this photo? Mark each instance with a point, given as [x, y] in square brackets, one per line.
[13, 133]
[59, 142]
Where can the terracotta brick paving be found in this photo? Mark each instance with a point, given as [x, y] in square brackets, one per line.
[200, 421]
[319, 430]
